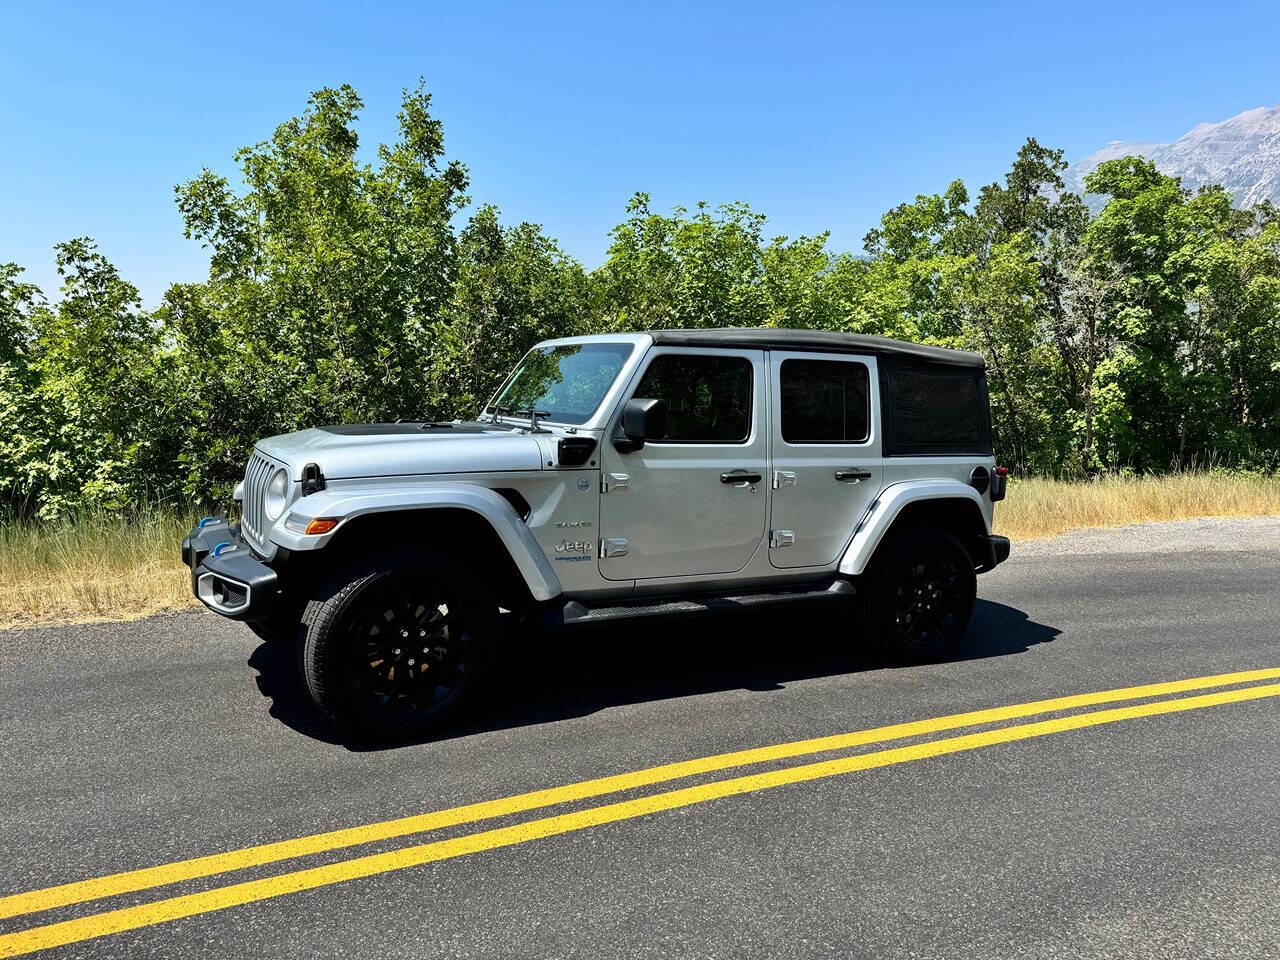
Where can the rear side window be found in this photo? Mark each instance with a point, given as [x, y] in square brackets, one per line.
[824, 401]
[937, 411]
[708, 397]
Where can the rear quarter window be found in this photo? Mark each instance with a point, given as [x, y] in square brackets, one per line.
[936, 411]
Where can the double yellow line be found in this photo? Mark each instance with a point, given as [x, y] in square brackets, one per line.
[233, 894]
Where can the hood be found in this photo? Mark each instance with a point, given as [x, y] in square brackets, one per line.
[347, 451]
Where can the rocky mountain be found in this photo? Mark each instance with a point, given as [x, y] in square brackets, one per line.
[1241, 153]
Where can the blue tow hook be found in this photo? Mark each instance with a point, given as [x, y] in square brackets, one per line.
[205, 521]
[217, 550]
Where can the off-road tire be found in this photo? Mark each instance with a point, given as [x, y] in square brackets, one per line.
[342, 635]
[920, 597]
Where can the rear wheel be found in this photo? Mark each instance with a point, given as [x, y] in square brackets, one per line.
[921, 598]
[399, 648]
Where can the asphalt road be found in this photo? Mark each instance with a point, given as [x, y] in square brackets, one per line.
[128, 746]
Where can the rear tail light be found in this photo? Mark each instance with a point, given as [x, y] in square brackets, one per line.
[998, 483]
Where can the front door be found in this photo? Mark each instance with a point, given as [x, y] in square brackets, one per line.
[826, 455]
[695, 502]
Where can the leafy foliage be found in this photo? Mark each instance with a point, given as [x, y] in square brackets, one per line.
[1144, 338]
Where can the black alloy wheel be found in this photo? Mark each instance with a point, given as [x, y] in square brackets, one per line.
[923, 597]
[399, 649]
[410, 645]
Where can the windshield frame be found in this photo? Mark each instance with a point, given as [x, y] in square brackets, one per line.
[637, 344]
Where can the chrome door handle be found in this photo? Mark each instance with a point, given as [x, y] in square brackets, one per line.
[853, 476]
[741, 478]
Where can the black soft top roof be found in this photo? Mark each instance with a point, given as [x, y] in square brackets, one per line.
[824, 340]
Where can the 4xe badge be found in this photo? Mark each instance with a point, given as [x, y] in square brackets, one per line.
[584, 484]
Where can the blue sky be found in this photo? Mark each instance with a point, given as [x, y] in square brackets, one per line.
[822, 116]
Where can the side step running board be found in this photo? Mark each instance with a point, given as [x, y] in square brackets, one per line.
[576, 613]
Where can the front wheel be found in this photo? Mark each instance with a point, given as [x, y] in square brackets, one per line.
[921, 598]
[398, 648]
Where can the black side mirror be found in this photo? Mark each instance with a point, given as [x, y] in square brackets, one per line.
[641, 420]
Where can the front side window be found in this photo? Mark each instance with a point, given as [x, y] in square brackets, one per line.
[564, 383]
[824, 401]
[708, 397]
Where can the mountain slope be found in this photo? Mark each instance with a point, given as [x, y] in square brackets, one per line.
[1241, 153]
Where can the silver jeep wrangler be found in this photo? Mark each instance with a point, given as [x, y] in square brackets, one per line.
[615, 477]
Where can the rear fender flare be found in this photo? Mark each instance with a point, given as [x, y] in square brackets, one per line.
[892, 500]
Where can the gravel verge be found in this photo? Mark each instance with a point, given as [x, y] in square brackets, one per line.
[1217, 534]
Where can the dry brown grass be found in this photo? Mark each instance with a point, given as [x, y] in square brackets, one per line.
[110, 568]
[1038, 508]
[101, 567]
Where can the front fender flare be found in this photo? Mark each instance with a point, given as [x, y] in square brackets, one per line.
[891, 502]
[528, 557]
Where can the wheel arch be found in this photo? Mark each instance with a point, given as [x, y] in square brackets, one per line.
[935, 504]
[474, 523]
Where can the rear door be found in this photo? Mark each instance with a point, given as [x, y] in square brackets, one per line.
[826, 461]
[695, 502]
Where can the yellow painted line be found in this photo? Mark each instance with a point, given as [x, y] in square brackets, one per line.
[148, 877]
[220, 898]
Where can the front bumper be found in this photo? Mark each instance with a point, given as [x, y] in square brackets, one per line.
[992, 551]
[225, 575]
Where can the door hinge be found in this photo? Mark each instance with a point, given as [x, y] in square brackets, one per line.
[782, 538]
[614, 481]
[614, 547]
[783, 478]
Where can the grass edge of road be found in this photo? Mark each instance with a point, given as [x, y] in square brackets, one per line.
[113, 566]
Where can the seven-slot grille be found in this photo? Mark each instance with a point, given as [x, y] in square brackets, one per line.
[253, 514]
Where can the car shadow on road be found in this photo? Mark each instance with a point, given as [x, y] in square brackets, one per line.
[542, 677]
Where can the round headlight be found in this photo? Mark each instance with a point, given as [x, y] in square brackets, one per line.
[277, 497]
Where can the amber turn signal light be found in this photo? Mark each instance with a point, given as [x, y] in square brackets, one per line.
[321, 525]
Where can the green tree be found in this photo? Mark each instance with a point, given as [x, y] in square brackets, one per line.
[95, 354]
[334, 266]
[1193, 312]
[24, 423]
[513, 288]
[679, 270]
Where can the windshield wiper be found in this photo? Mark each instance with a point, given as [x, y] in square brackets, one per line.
[528, 411]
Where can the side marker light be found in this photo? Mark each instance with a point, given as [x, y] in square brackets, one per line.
[321, 525]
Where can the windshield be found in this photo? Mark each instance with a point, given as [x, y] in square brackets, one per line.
[564, 384]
